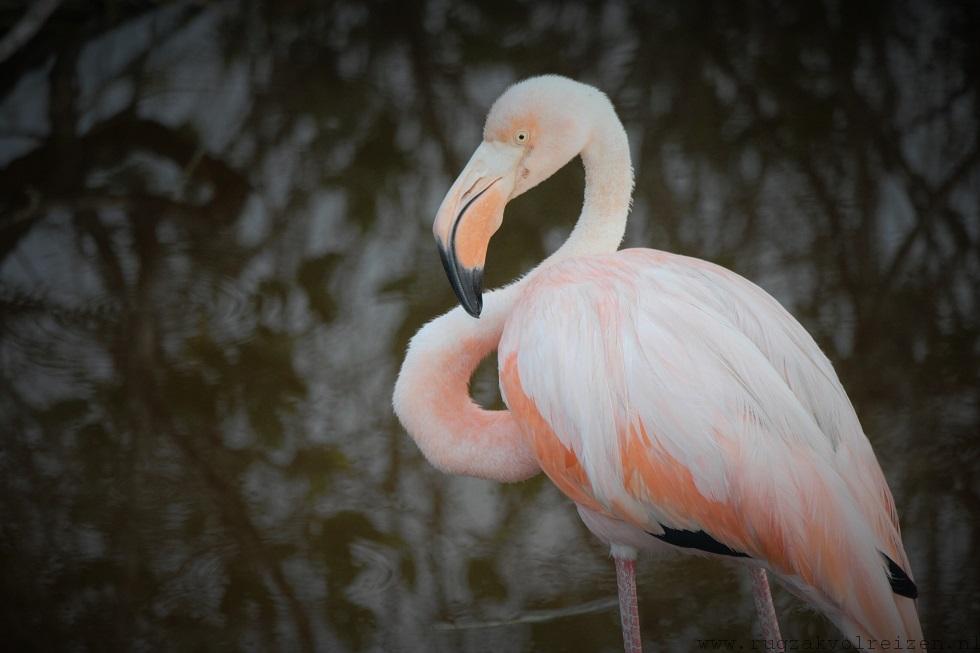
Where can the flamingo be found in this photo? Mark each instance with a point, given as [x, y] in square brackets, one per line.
[677, 404]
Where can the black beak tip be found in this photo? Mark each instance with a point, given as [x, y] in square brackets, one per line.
[467, 283]
[472, 280]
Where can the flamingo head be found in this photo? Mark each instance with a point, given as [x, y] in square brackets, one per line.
[533, 129]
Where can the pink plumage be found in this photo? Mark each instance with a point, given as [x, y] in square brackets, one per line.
[676, 403]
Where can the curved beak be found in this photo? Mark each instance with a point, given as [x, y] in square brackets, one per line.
[470, 214]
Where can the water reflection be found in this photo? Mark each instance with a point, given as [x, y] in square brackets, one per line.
[214, 244]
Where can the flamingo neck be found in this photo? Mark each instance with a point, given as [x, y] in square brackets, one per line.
[432, 398]
[433, 402]
[608, 192]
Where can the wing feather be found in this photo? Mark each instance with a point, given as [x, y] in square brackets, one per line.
[669, 392]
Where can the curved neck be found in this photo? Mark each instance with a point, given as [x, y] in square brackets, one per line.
[608, 192]
[432, 398]
[433, 403]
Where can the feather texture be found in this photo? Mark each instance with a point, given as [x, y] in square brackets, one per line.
[727, 417]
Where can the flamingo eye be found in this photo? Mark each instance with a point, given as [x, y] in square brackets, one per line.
[521, 137]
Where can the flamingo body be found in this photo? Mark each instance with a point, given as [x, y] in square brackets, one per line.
[676, 402]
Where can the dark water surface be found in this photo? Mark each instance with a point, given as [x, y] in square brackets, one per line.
[215, 242]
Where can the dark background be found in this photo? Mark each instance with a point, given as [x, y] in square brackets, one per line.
[215, 242]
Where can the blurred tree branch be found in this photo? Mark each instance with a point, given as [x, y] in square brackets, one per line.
[26, 27]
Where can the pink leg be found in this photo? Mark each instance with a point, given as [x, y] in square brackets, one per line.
[764, 606]
[628, 612]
